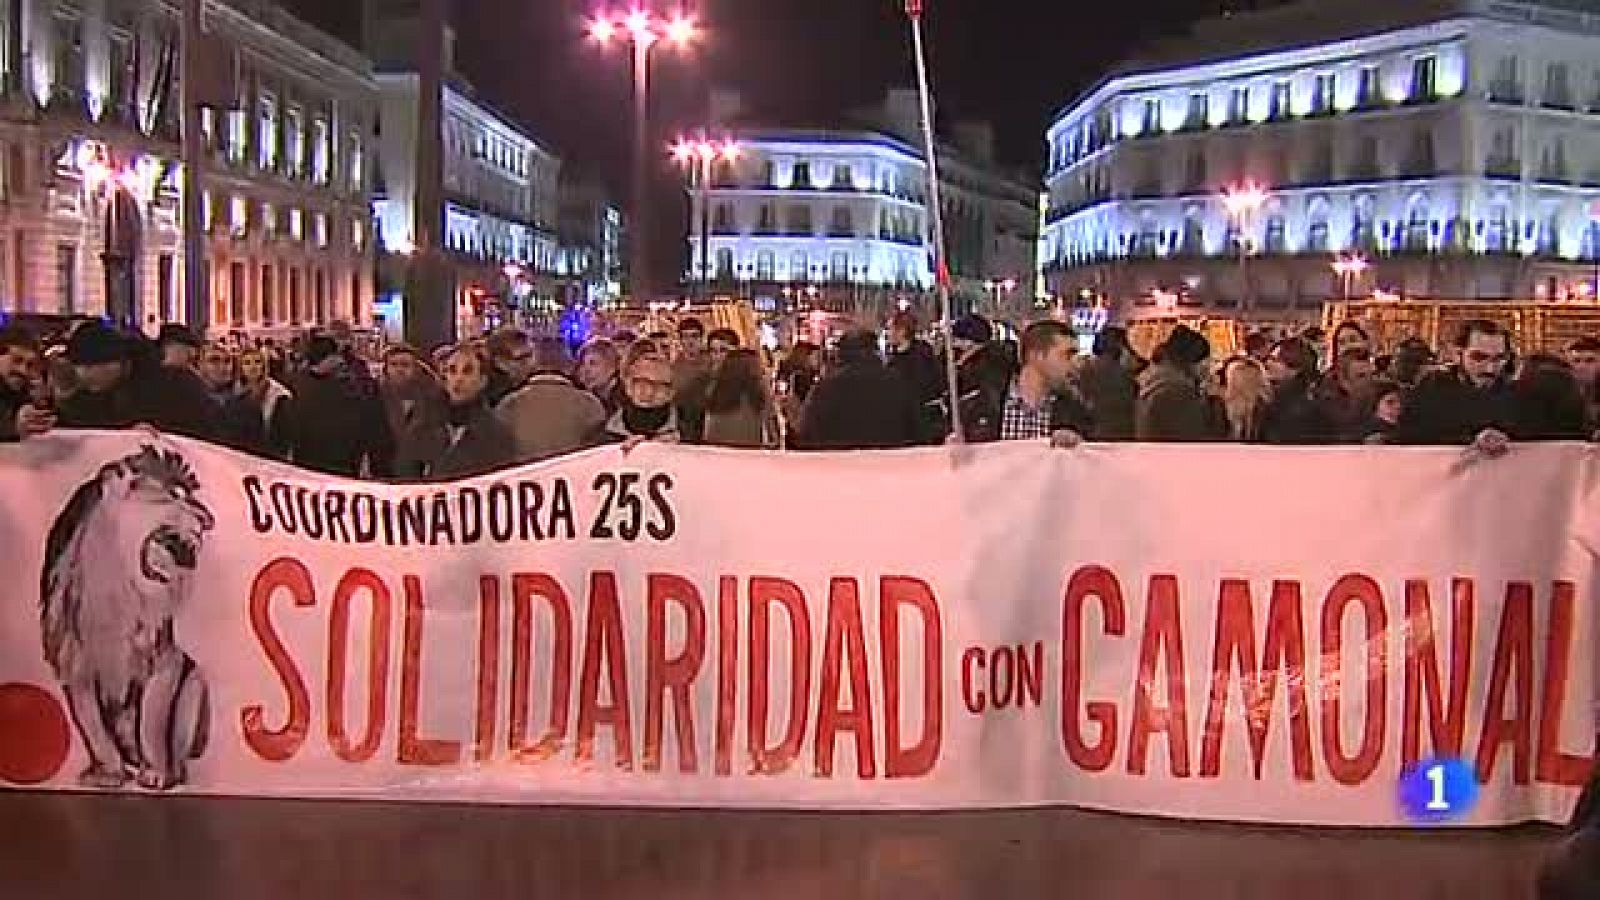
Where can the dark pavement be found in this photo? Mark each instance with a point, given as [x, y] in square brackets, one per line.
[77, 847]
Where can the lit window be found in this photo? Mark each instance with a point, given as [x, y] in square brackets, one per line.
[208, 125]
[1322, 95]
[269, 220]
[297, 142]
[267, 141]
[320, 229]
[238, 135]
[358, 235]
[238, 216]
[357, 164]
[1238, 105]
[320, 151]
[297, 225]
[1424, 80]
[208, 211]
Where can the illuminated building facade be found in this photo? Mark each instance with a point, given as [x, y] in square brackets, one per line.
[1450, 147]
[838, 219]
[501, 206]
[90, 199]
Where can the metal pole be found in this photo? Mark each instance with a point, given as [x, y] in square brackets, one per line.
[196, 293]
[705, 230]
[430, 300]
[936, 217]
[641, 172]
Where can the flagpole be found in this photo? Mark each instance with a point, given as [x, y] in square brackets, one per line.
[941, 268]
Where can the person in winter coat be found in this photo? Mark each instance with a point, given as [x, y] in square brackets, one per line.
[1547, 402]
[1383, 413]
[239, 422]
[913, 361]
[549, 416]
[1109, 385]
[648, 412]
[512, 352]
[21, 367]
[270, 400]
[476, 441]
[599, 372]
[340, 426]
[1572, 871]
[860, 404]
[415, 406]
[1470, 403]
[1243, 393]
[1292, 415]
[1040, 402]
[122, 384]
[739, 408]
[1171, 406]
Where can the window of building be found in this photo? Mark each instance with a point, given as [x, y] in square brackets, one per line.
[1591, 242]
[1275, 240]
[1195, 173]
[321, 151]
[208, 211]
[1497, 234]
[297, 224]
[1420, 160]
[1322, 94]
[802, 176]
[319, 296]
[1424, 80]
[1199, 115]
[66, 279]
[267, 134]
[1317, 233]
[764, 266]
[269, 296]
[236, 294]
[358, 234]
[319, 229]
[1553, 167]
[1364, 165]
[1238, 105]
[1363, 230]
[1558, 87]
[768, 223]
[297, 309]
[358, 164]
[1502, 161]
[724, 262]
[1549, 236]
[1193, 240]
[1367, 94]
[799, 267]
[294, 124]
[1506, 86]
[238, 216]
[1417, 229]
[1594, 95]
[799, 217]
[1320, 168]
[722, 219]
[841, 223]
[166, 288]
[843, 178]
[1279, 109]
[1152, 115]
[839, 266]
[238, 135]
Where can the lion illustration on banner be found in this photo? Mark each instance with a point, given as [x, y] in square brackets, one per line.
[117, 565]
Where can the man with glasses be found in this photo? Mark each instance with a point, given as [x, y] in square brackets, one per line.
[1344, 397]
[20, 368]
[511, 350]
[1470, 403]
[691, 378]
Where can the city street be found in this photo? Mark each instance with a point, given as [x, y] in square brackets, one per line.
[75, 847]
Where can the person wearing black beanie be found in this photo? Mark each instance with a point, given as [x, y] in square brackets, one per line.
[120, 387]
[1172, 405]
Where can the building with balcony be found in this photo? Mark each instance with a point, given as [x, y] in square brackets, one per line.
[90, 183]
[1453, 145]
[500, 191]
[838, 219]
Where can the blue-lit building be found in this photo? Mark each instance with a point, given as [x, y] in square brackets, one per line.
[1454, 145]
[838, 219]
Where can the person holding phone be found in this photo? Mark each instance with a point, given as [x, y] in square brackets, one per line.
[21, 364]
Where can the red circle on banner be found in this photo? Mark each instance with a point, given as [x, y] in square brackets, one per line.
[33, 734]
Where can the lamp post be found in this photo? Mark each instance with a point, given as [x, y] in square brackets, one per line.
[643, 32]
[1242, 203]
[1349, 268]
[698, 157]
[1000, 293]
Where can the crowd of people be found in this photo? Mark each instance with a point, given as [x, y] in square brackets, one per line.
[512, 398]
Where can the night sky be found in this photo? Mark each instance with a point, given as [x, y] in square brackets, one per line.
[1011, 62]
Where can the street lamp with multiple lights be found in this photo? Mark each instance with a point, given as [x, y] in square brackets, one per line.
[1349, 268]
[698, 157]
[1000, 291]
[1243, 202]
[643, 31]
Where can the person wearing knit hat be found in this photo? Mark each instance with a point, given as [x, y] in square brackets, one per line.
[971, 330]
[1172, 406]
[180, 347]
[118, 388]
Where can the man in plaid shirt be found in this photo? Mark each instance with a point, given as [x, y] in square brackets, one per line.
[1040, 402]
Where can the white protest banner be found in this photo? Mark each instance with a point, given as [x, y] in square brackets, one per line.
[1213, 632]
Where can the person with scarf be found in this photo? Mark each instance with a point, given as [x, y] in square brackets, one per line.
[239, 421]
[269, 398]
[647, 412]
[475, 441]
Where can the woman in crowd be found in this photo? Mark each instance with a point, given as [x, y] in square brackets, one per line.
[415, 405]
[475, 442]
[798, 372]
[1292, 416]
[739, 411]
[1383, 413]
[1348, 336]
[269, 398]
[599, 365]
[647, 412]
[1243, 393]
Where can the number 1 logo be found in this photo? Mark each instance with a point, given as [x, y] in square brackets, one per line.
[1438, 791]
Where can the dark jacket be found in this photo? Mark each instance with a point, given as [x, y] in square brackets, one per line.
[240, 425]
[340, 424]
[859, 406]
[1549, 406]
[981, 413]
[1444, 409]
[482, 444]
[170, 400]
[11, 402]
[1293, 417]
[1342, 413]
[418, 415]
[1112, 394]
[1171, 407]
[919, 370]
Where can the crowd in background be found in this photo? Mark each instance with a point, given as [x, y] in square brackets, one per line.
[398, 413]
